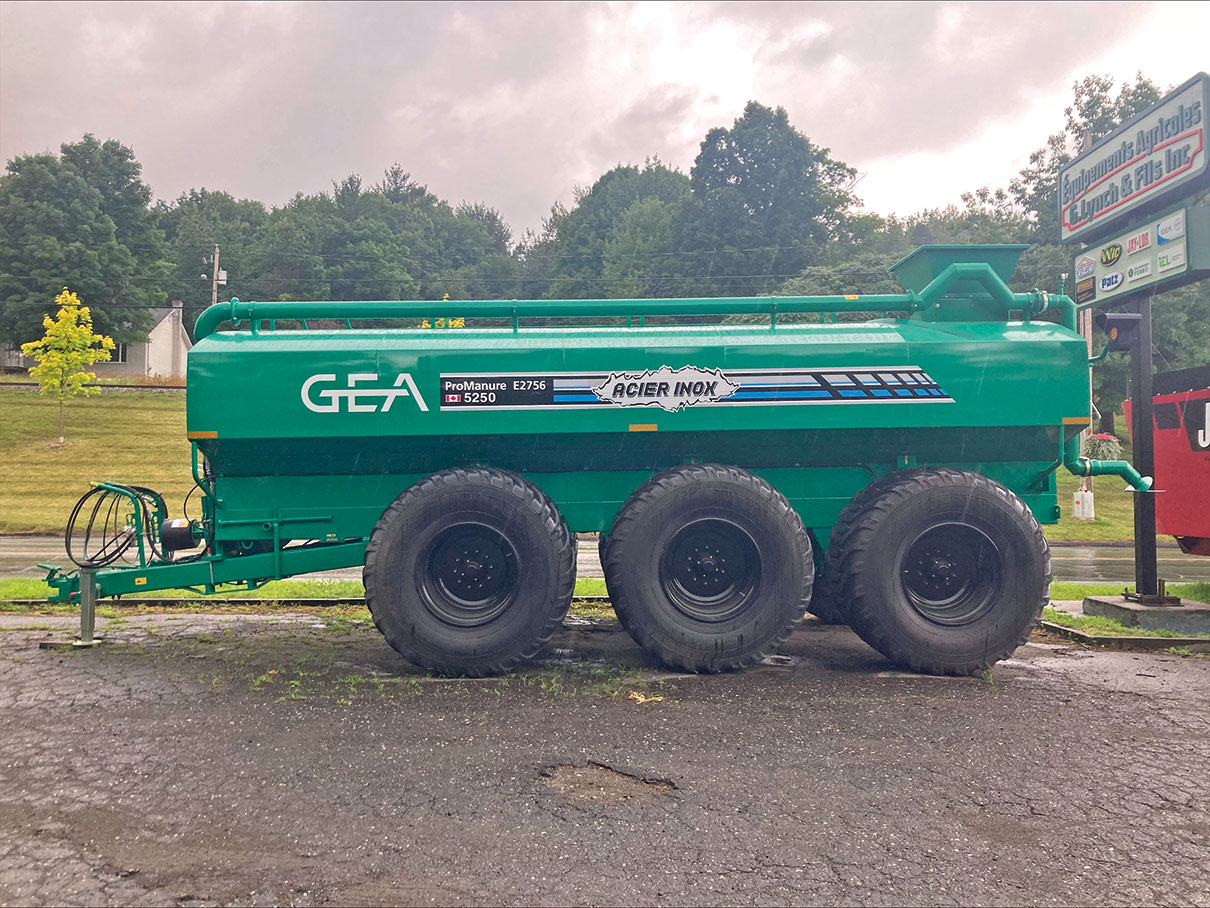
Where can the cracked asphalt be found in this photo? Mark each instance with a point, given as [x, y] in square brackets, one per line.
[250, 760]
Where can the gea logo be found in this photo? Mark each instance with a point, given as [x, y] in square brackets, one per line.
[1109, 281]
[1171, 228]
[1110, 254]
[329, 400]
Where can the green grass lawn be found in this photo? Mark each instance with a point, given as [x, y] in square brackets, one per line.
[139, 437]
[130, 436]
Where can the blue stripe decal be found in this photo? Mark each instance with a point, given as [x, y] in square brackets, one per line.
[810, 382]
[777, 395]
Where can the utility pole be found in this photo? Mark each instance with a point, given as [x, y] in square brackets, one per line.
[214, 280]
[1142, 371]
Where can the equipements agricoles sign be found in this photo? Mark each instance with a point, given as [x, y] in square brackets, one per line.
[1152, 159]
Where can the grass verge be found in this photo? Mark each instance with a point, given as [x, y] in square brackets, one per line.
[1107, 627]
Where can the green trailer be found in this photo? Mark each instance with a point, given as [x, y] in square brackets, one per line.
[741, 459]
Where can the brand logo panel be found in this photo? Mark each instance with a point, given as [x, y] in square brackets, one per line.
[675, 390]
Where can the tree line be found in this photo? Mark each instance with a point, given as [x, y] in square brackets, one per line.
[763, 210]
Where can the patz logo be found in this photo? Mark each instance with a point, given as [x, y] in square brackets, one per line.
[669, 389]
[355, 399]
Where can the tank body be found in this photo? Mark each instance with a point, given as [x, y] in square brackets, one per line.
[317, 431]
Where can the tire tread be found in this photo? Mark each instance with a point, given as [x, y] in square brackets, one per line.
[529, 496]
[668, 483]
[855, 540]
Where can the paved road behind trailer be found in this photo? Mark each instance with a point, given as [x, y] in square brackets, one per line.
[247, 760]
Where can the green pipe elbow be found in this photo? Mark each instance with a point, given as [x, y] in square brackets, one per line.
[214, 316]
[1082, 466]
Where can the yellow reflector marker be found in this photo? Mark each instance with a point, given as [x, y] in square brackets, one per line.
[850, 296]
[194, 436]
[1077, 420]
[140, 581]
[643, 427]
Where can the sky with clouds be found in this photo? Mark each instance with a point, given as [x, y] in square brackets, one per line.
[514, 104]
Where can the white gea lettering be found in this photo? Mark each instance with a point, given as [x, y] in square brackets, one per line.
[329, 400]
[1203, 435]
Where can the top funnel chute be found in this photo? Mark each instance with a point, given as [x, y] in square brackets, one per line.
[918, 268]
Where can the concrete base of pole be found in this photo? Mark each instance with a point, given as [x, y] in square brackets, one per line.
[1187, 618]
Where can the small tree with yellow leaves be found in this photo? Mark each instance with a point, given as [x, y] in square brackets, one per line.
[67, 347]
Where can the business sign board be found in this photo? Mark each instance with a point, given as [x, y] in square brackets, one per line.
[1145, 255]
[1153, 159]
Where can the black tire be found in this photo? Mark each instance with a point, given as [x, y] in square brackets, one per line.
[944, 571]
[828, 602]
[470, 572]
[664, 567]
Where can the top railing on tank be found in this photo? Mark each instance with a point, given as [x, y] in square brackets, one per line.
[979, 275]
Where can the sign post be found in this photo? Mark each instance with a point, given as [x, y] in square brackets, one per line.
[1118, 196]
[1146, 572]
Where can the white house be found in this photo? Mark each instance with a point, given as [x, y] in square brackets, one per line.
[163, 354]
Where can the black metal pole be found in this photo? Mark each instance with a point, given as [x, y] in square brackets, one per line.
[1146, 572]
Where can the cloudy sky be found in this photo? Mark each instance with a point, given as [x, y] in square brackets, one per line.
[513, 104]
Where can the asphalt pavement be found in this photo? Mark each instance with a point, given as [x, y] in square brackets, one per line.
[297, 760]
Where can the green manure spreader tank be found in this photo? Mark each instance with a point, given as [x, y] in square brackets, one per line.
[742, 463]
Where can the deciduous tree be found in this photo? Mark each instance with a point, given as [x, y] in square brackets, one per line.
[62, 354]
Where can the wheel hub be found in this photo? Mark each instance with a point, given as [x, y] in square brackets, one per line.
[469, 574]
[951, 573]
[710, 569]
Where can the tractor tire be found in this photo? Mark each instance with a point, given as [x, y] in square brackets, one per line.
[708, 567]
[943, 571]
[470, 571]
[828, 602]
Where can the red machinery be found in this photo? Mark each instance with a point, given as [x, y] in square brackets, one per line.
[1182, 457]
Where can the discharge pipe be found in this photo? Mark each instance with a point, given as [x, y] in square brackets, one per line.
[1083, 466]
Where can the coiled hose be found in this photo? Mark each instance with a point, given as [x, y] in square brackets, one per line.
[102, 527]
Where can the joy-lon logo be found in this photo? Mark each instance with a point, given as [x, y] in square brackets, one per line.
[1138, 242]
[669, 389]
[1110, 254]
[355, 399]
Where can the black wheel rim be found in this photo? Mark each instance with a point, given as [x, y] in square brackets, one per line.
[710, 569]
[952, 574]
[468, 574]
